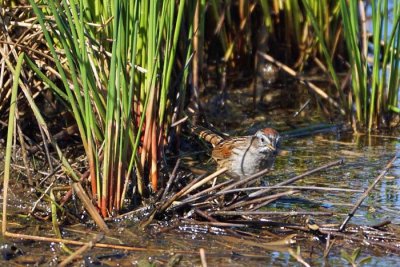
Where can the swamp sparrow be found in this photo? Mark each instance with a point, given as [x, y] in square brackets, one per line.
[243, 155]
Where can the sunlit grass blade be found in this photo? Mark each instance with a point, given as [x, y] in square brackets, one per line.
[10, 133]
[325, 51]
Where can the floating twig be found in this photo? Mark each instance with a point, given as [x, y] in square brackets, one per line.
[294, 179]
[262, 204]
[269, 223]
[272, 213]
[261, 199]
[81, 250]
[312, 130]
[361, 199]
[389, 246]
[216, 224]
[213, 220]
[316, 188]
[381, 224]
[99, 245]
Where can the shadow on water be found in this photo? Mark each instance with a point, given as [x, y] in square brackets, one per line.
[178, 242]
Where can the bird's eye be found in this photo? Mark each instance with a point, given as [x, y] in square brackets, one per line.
[263, 139]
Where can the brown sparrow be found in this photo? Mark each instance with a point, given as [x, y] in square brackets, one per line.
[243, 155]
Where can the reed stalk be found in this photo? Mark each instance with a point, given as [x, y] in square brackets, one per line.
[10, 130]
[375, 92]
[122, 109]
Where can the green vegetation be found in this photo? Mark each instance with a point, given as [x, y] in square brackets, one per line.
[117, 81]
[354, 258]
[122, 69]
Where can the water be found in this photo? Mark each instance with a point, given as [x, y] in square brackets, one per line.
[363, 163]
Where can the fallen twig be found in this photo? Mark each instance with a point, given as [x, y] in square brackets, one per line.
[196, 183]
[272, 213]
[258, 200]
[205, 180]
[298, 257]
[361, 199]
[203, 257]
[213, 220]
[389, 246]
[246, 180]
[99, 245]
[170, 180]
[201, 195]
[216, 224]
[326, 166]
[81, 250]
[90, 208]
[312, 86]
[316, 188]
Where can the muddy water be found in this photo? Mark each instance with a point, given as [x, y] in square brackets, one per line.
[180, 241]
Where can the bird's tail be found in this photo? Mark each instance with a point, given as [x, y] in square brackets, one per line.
[207, 135]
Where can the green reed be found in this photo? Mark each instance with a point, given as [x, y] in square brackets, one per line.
[333, 36]
[10, 130]
[376, 78]
[120, 64]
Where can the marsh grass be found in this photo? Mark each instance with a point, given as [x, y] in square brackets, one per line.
[117, 74]
[122, 69]
[334, 37]
[375, 78]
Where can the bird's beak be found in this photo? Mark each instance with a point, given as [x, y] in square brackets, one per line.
[272, 148]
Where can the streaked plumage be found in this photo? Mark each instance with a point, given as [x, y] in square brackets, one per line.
[245, 155]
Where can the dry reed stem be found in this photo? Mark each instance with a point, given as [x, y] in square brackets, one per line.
[201, 194]
[87, 203]
[81, 250]
[215, 221]
[202, 253]
[271, 213]
[98, 245]
[24, 152]
[205, 180]
[316, 188]
[261, 199]
[310, 85]
[246, 180]
[298, 257]
[394, 248]
[170, 180]
[216, 224]
[361, 199]
[298, 177]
